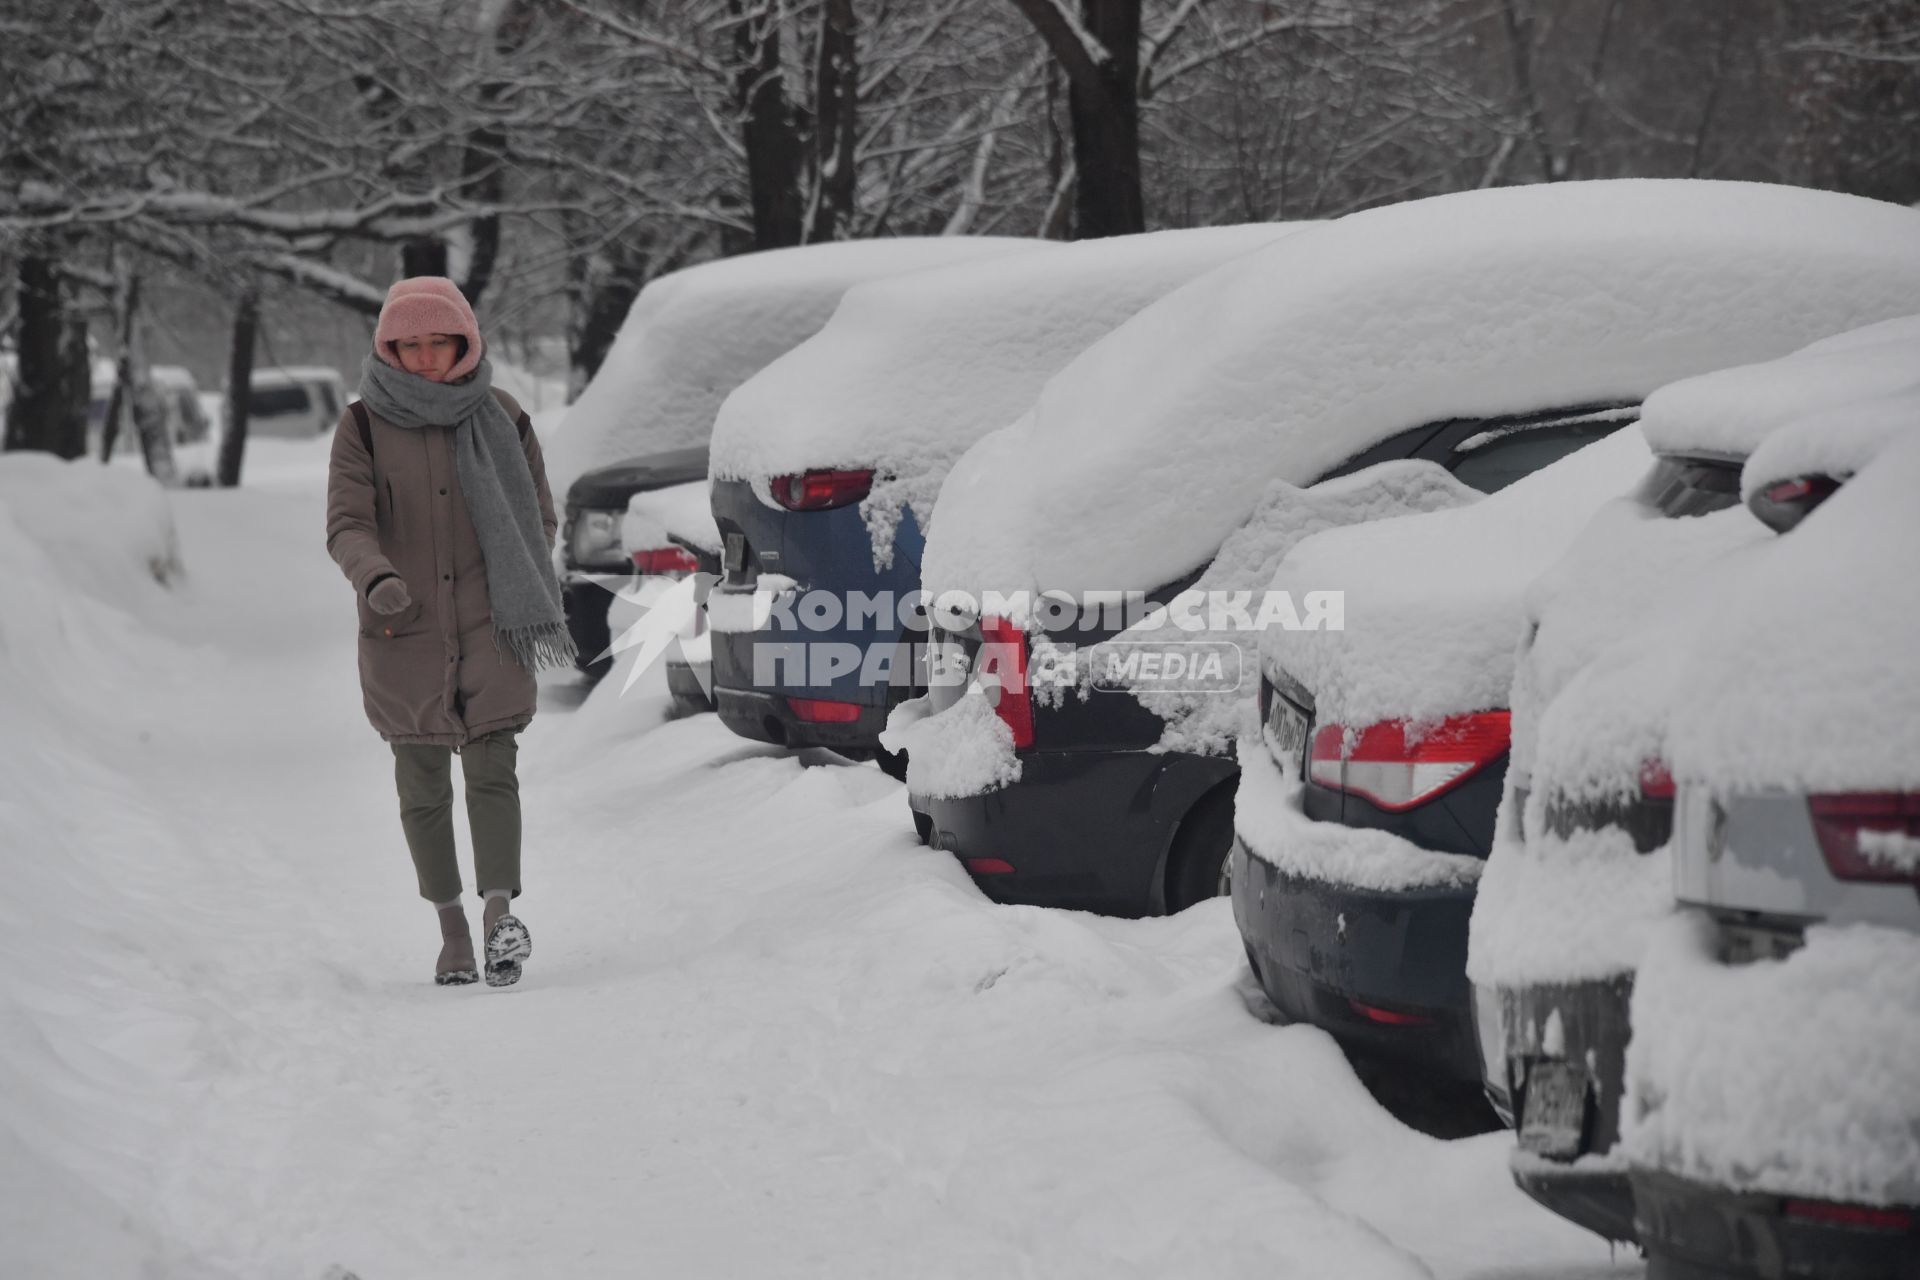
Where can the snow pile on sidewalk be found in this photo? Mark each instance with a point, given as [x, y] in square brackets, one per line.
[1144, 454]
[95, 1027]
[108, 529]
[913, 369]
[692, 336]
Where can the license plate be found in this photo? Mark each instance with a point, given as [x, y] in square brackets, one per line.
[1287, 727]
[735, 557]
[1555, 1113]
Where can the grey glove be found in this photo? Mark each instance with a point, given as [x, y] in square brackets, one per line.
[389, 595]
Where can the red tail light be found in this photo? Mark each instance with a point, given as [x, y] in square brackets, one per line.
[1869, 836]
[1396, 771]
[988, 866]
[1782, 505]
[821, 490]
[1389, 1017]
[1850, 1215]
[1656, 783]
[1003, 655]
[666, 560]
[824, 710]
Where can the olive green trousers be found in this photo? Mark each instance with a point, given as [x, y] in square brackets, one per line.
[424, 777]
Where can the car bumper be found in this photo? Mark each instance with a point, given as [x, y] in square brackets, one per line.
[1385, 971]
[686, 686]
[767, 717]
[1086, 830]
[1697, 1231]
[1560, 1162]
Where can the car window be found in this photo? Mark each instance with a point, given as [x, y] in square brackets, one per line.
[329, 402]
[271, 402]
[1493, 459]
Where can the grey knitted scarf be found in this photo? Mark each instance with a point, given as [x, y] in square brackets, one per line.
[522, 591]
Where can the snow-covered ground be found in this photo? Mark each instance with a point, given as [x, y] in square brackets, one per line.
[763, 1031]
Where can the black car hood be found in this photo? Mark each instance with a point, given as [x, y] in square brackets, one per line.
[610, 487]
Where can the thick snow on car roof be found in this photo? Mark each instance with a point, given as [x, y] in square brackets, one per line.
[1860, 417]
[657, 516]
[1730, 411]
[692, 336]
[1806, 678]
[1144, 453]
[913, 369]
[1433, 602]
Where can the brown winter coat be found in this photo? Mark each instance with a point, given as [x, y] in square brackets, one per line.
[430, 673]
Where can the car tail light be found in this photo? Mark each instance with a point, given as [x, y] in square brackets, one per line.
[1849, 1215]
[1785, 503]
[988, 866]
[1656, 783]
[1389, 1017]
[666, 560]
[1872, 836]
[1396, 770]
[824, 710]
[1003, 655]
[821, 490]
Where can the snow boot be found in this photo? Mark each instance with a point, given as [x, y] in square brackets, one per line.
[456, 965]
[508, 943]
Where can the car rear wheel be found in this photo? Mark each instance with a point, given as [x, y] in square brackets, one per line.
[1197, 862]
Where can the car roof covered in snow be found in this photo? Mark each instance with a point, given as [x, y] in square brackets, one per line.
[694, 335]
[1729, 412]
[1142, 455]
[913, 369]
[1433, 602]
[1805, 677]
[683, 512]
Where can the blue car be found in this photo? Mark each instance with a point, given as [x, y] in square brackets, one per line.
[826, 464]
[820, 669]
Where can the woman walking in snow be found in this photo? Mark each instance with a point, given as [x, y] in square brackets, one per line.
[439, 515]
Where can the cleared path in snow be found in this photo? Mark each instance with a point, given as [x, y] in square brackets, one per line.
[762, 1033]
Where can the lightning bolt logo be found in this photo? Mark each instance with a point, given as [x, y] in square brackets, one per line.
[663, 620]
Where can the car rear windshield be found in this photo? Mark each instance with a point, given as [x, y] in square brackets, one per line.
[1691, 486]
[268, 402]
[1496, 458]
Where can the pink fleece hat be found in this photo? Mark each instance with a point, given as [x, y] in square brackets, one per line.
[428, 304]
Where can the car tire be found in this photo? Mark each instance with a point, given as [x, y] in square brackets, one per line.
[1197, 860]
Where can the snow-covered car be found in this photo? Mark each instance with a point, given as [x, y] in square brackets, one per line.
[689, 339]
[1772, 1113]
[1170, 454]
[595, 561]
[1366, 802]
[827, 463]
[294, 402]
[1579, 872]
[671, 534]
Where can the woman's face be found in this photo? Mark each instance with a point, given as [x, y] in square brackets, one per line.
[430, 355]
